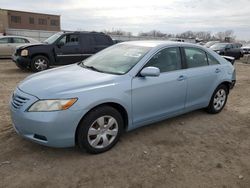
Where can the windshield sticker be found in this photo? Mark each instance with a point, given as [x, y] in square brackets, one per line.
[133, 53]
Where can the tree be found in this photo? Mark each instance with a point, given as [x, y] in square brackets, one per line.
[226, 34]
[153, 33]
[118, 32]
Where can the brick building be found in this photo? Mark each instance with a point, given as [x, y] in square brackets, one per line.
[12, 19]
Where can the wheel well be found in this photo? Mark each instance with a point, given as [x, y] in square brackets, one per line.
[227, 84]
[117, 106]
[42, 54]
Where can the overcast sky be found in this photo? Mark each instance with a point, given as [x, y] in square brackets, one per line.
[169, 16]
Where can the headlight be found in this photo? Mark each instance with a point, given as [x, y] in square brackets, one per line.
[218, 51]
[51, 105]
[24, 52]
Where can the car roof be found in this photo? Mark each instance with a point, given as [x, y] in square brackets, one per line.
[159, 43]
[15, 36]
[81, 32]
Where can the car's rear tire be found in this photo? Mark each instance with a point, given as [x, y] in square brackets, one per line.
[99, 130]
[218, 99]
[39, 63]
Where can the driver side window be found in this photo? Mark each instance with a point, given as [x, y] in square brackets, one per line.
[70, 40]
[168, 59]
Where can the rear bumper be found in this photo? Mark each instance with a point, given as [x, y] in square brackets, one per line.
[232, 84]
[21, 61]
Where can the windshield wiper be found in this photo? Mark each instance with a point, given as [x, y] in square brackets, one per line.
[90, 67]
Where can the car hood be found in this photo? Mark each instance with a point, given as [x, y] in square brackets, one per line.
[216, 48]
[64, 81]
[31, 45]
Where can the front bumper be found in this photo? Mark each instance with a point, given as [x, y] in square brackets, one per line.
[21, 61]
[54, 129]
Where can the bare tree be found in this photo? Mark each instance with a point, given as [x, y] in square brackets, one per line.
[118, 32]
[225, 34]
[153, 33]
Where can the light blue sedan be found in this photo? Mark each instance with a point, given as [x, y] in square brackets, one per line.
[126, 86]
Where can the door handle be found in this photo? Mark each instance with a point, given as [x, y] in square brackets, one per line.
[182, 77]
[217, 70]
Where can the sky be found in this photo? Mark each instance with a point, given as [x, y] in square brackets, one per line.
[168, 16]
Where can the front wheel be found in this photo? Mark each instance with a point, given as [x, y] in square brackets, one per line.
[39, 63]
[218, 100]
[100, 130]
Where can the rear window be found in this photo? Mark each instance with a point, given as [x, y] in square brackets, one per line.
[20, 40]
[102, 40]
[5, 40]
[195, 57]
[212, 60]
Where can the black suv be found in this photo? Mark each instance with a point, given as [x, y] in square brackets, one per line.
[228, 49]
[60, 49]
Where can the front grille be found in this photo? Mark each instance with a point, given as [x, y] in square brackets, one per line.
[18, 101]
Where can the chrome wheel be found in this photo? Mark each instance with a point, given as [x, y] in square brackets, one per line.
[102, 132]
[219, 99]
[40, 64]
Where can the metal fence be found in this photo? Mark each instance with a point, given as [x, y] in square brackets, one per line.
[35, 34]
[42, 35]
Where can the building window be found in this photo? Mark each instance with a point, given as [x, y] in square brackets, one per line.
[42, 21]
[54, 22]
[15, 19]
[32, 20]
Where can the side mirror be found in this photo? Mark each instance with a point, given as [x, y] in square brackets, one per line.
[150, 71]
[60, 44]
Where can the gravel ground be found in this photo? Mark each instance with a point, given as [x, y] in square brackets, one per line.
[193, 150]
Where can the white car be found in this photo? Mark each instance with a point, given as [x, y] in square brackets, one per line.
[8, 44]
[245, 49]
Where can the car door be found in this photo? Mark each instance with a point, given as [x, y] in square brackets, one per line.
[87, 43]
[68, 49]
[155, 98]
[229, 51]
[5, 47]
[202, 78]
[101, 42]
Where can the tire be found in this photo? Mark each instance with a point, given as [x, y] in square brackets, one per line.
[95, 134]
[39, 63]
[218, 99]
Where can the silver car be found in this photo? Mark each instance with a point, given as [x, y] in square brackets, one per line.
[8, 44]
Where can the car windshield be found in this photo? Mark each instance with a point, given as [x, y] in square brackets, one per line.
[52, 38]
[209, 44]
[218, 46]
[118, 59]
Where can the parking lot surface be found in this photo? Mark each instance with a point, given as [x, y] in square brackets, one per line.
[193, 150]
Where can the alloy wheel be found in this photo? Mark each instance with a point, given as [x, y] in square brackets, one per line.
[41, 64]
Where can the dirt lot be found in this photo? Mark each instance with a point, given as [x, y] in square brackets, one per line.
[193, 150]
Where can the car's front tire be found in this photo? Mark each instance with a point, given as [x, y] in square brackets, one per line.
[39, 63]
[99, 130]
[218, 99]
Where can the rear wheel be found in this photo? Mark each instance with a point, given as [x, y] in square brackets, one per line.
[218, 100]
[100, 130]
[39, 63]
